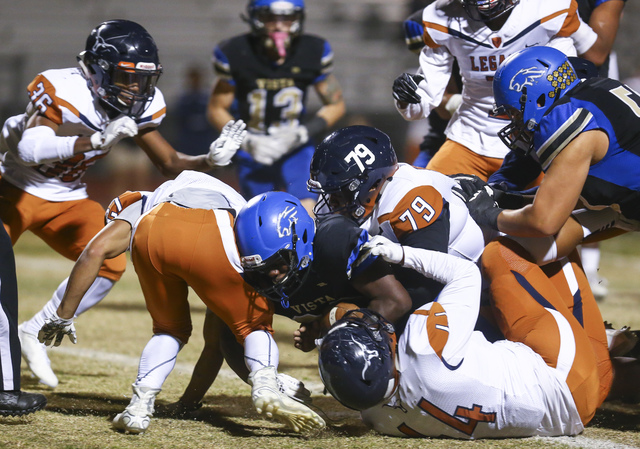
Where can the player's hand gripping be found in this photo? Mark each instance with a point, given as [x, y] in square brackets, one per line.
[405, 88]
[56, 328]
[227, 144]
[383, 247]
[480, 199]
[115, 131]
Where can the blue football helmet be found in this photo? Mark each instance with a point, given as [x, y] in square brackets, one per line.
[273, 230]
[356, 359]
[122, 67]
[349, 168]
[262, 11]
[486, 10]
[525, 86]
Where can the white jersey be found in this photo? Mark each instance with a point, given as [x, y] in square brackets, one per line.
[455, 383]
[63, 97]
[190, 189]
[413, 200]
[450, 34]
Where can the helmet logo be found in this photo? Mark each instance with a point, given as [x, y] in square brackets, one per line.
[100, 43]
[368, 354]
[289, 216]
[525, 77]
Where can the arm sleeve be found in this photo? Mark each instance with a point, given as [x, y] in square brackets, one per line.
[40, 145]
[459, 299]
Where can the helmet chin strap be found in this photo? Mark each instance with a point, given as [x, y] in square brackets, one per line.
[280, 40]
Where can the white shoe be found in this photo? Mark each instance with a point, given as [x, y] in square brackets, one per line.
[293, 388]
[35, 354]
[137, 415]
[268, 400]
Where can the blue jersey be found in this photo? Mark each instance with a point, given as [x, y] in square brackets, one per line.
[266, 93]
[609, 106]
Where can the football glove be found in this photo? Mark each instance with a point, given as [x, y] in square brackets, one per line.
[56, 327]
[225, 146]
[290, 137]
[383, 247]
[484, 209]
[269, 401]
[115, 131]
[264, 149]
[405, 88]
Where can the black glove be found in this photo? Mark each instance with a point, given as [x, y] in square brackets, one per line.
[483, 208]
[405, 87]
[480, 199]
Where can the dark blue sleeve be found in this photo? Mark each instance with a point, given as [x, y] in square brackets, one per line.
[516, 173]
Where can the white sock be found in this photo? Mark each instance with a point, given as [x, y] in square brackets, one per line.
[157, 360]
[98, 290]
[590, 256]
[260, 350]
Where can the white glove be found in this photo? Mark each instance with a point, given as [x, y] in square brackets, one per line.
[264, 148]
[225, 146]
[383, 247]
[56, 327]
[273, 404]
[115, 131]
[290, 137]
[293, 388]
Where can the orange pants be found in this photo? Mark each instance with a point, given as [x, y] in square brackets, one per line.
[529, 309]
[175, 248]
[453, 158]
[66, 226]
[582, 304]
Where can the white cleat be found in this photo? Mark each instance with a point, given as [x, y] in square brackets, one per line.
[35, 354]
[136, 417]
[269, 401]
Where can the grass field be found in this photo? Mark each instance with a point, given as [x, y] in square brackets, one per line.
[96, 374]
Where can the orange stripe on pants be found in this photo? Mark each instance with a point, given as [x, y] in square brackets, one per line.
[522, 296]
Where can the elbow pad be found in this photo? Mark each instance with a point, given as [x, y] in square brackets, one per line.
[40, 145]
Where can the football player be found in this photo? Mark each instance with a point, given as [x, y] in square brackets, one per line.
[355, 171]
[582, 134]
[308, 273]
[74, 117]
[13, 401]
[181, 236]
[479, 34]
[444, 378]
[263, 78]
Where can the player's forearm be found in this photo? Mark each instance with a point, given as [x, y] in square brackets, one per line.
[41, 145]
[83, 274]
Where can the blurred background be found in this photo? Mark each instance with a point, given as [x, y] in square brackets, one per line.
[366, 36]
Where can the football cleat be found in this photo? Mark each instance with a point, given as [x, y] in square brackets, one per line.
[293, 388]
[18, 403]
[35, 354]
[622, 342]
[136, 417]
[269, 401]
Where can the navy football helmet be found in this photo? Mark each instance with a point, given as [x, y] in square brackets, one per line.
[122, 67]
[486, 10]
[274, 230]
[262, 11]
[348, 169]
[356, 359]
[525, 86]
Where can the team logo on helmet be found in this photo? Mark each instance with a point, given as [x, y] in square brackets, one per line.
[101, 44]
[286, 219]
[525, 77]
[368, 355]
